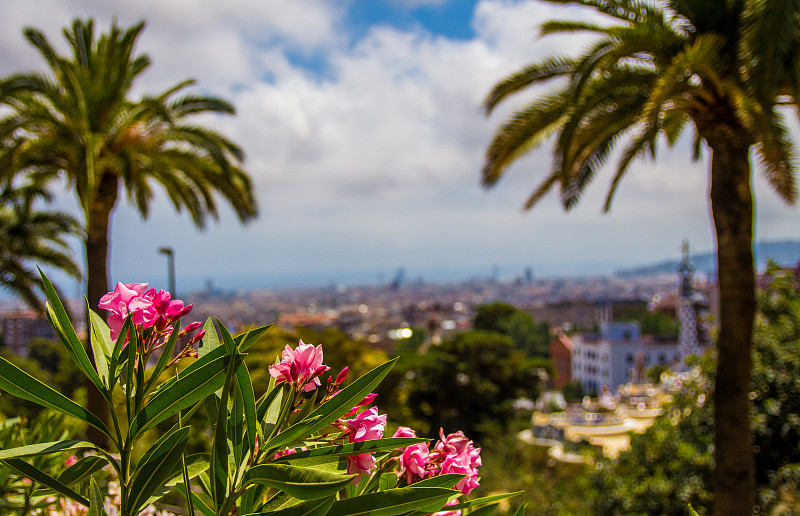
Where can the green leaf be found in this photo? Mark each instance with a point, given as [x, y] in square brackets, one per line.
[96, 500]
[219, 445]
[316, 507]
[393, 501]
[82, 468]
[44, 448]
[66, 333]
[301, 483]
[247, 339]
[37, 475]
[118, 359]
[197, 381]
[449, 480]
[100, 339]
[521, 510]
[210, 340]
[227, 338]
[477, 502]
[198, 502]
[333, 409]
[196, 464]
[163, 360]
[266, 401]
[387, 481]
[244, 386]
[333, 452]
[156, 467]
[17, 382]
[485, 511]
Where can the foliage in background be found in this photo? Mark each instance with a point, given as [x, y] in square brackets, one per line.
[528, 335]
[48, 361]
[29, 234]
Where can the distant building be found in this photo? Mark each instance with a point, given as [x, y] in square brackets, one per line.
[560, 351]
[20, 327]
[618, 355]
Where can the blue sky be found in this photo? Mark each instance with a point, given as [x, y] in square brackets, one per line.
[364, 137]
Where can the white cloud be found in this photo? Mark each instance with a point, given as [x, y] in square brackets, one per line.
[371, 160]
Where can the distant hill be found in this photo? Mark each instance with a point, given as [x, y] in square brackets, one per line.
[784, 252]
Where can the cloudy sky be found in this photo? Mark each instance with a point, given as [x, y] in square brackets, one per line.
[364, 136]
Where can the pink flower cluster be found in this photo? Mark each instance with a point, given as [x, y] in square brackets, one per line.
[452, 454]
[146, 307]
[301, 366]
[365, 426]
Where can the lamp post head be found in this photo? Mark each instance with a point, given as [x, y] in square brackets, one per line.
[166, 250]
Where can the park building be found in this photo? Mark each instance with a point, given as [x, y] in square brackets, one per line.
[617, 355]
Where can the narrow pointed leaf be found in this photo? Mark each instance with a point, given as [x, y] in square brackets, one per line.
[485, 511]
[198, 502]
[197, 381]
[82, 468]
[118, 358]
[210, 340]
[333, 409]
[227, 338]
[63, 327]
[449, 480]
[37, 475]
[301, 483]
[317, 507]
[244, 386]
[100, 339]
[44, 448]
[96, 500]
[156, 467]
[163, 360]
[219, 446]
[477, 502]
[342, 450]
[196, 464]
[17, 382]
[245, 340]
[266, 401]
[393, 501]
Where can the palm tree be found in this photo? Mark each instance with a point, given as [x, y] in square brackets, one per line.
[29, 235]
[721, 69]
[79, 123]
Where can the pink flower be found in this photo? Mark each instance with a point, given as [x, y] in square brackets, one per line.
[404, 431]
[457, 454]
[415, 458]
[169, 310]
[129, 299]
[301, 366]
[365, 426]
[414, 462]
[369, 398]
[358, 464]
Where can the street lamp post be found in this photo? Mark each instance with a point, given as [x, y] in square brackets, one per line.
[170, 269]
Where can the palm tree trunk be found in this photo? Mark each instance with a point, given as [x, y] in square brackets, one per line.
[97, 228]
[732, 211]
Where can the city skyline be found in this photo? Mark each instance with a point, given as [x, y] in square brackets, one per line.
[362, 126]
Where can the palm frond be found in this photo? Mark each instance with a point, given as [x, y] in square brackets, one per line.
[528, 76]
[525, 130]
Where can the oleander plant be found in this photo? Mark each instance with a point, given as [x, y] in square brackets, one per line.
[304, 448]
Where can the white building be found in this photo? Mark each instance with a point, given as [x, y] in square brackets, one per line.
[618, 355]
